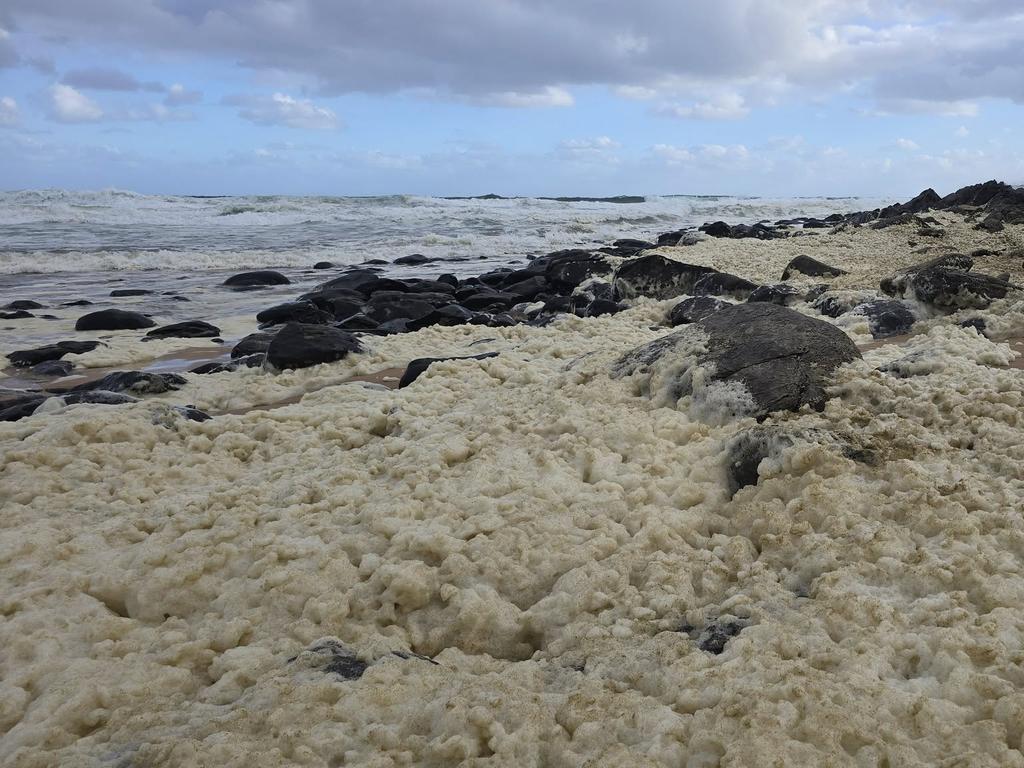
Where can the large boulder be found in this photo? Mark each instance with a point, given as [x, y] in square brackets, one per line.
[113, 320]
[295, 312]
[694, 308]
[946, 283]
[743, 360]
[656, 276]
[723, 284]
[257, 277]
[253, 344]
[886, 317]
[298, 345]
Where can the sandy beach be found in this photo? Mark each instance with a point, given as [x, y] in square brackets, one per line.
[524, 561]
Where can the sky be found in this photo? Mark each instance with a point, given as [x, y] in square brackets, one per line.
[515, 97]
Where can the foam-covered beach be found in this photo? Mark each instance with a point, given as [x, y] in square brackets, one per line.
[573, 549]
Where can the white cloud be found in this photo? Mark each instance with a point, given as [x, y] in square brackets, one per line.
[599, 150]
[673, 155]
[907, 144]
[282, 109]
[9, 114]
[550, 96]
[725, 106]
[69, 106]
[961, 132]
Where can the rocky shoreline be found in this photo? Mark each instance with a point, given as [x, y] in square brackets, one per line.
[736, 493]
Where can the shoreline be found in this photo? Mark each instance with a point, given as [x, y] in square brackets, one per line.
[535, 551]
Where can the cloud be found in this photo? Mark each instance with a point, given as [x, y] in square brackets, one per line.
[69, 106]
[962, 132]
[907, 144]
[9, 114]
[550, 96]
[725, 106]
[8, 55]
[178, 95]
[284, 110]
[917, 56]
[599, 150]
[106, 79]
[705, 154]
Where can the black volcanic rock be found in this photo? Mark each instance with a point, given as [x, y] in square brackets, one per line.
[190, 329]
[26, 357]
[694, 308]
[295, 312]
[779, 358]
[298, 345]
[805, 265]
[656, 276]
[723, 284]
[258, 277]
[113, 320]
[419, 366]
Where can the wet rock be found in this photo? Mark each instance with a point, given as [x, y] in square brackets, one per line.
[489, 300]
[805, 265]
[22, 304]
[419, 366]
[18, 314]
[113, 320]
[926, 231]
[256, 278]
[693, 309]
[383, 307]
[189, 329]
[448, 279]
[298, 345]
[714, 637]
[15, 409]
[97, 397]
[121, 292]
[323, 265]
[723, 284]
[752, 359]
[413, 259]
[836, 303]
[26, 357]
[991, 223]
[295, 312]
[451, 314]
[600, 308]
[528, 289]
[886, 317]
[745, 452]
[945, 283]
[77, 303]
[977, 323]
[656, 276]
[254, 343]
[53, 368]
[331, 657]
[780, 294]
[136, 382]
[216, 366]
[717, 229]
[358, 322]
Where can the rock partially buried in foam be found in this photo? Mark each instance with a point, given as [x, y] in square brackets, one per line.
[26, 357]
[298, 345]
[656, 276]
[743, 360]
[946, 283]
[419, 366]
[805, 265]
[113, 320]
[694, 308]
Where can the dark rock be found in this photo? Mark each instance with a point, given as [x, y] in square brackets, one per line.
[358, 322]
[323, 265]
[714, 637]
[190, 329]
[254, 343]
[670, 238]
[386, 306]
[400, 325]
[298, 345]
[331, 657]
[834, 303]
[723, 284]
[528, 289]
[886, 317]
[636, 245]
[781, 294]
[600, 307]
[489, 300]
[448, 279]
[945, 283]
[350, 281]
[991, 223]
[23, 304]
[977, 323]
[451, 314]
[113, 320]
[256, 278]
[191, 413]
[656, 276]
[417, 367]
[418, 286]
[413, 259]
[180, 298]
[295, 312]
[214, 366]
[931, 232]
[745, 452]
[26, 357]
[131, 292]
[805, 265]
[717, 229]
[780, 357]
[53, 368]
[693, 309]
[136, 382]
[18, 314]
[77, 303]
[21, 407]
